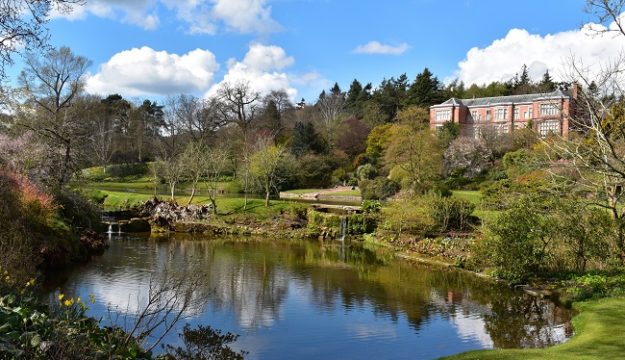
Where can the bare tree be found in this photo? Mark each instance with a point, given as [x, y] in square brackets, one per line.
[101, 138]
[51, 85]
[22, 26]
[194, 165]
[595, 160]
[169, 298]
[331, 106]
[240, 106]
[200, 118]
[607, 12]
[217, 161]
[593, 157]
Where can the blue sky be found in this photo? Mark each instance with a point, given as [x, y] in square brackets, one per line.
[305, 45]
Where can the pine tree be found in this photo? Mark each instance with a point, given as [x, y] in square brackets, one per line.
[547, 84]
[306, 140]
[425, 90]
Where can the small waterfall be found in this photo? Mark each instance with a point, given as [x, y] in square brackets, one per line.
[110, 230]
[343, 229]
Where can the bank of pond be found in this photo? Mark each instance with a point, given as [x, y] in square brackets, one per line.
[313, 299]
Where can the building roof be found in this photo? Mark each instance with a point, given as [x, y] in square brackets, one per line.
[504, 100]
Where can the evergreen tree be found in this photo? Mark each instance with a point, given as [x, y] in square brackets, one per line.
[425, 91]
[307, 140]
[271, 119]
[390, 96]
[522, 84]
[357, 96]
[547, 84]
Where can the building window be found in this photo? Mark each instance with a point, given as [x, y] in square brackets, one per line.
[529, 113]
[520, 125]
[546, 127]
[516, 113]
[501, 114]
[502, 129]
[476, 116]
[549, 109]
[443, 115]
[487, 115]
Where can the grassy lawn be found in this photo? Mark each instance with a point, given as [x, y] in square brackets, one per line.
[325, 192]
[225, 206]
[304, 191]
[474, 197]
[355, 192]
[600, 334]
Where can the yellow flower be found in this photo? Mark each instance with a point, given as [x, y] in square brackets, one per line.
[68, 302]
[61, 296]
[78, 300]
[30, 283]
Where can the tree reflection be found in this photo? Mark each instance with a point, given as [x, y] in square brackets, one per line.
[252, 280]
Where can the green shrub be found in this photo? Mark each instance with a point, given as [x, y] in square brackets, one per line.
[371, 206]
[379, 188]
[77, 210]
[361, 224]
[518, 242]
[449, 213]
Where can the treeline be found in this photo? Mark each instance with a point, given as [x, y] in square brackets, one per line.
[55, 129]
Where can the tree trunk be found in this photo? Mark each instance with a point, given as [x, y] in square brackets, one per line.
[214, 203]
[192, 195]
[267, 199]
[66, 164]
[245, 186]
[172, 189]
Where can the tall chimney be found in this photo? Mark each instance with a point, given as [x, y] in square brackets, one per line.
[574, 90]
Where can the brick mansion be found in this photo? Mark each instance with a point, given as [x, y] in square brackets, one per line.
[545, 112]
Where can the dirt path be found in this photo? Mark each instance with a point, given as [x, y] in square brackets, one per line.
[315, 195]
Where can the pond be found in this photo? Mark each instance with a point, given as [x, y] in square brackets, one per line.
[310, 300]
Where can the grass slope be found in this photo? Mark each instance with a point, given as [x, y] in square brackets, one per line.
[600, 334]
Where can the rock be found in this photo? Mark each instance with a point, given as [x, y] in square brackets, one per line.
[165, 215]
[93, 242]
[136, 225]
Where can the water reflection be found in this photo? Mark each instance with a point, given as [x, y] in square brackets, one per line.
[309, 299]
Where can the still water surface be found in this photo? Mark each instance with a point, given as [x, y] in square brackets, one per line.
[310, 300]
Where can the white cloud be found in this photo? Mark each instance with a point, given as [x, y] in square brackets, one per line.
[261, 69]
[144, 71]
[504, 57]
[199, 16]
[245, 16]
[136, 12]
[378, 48]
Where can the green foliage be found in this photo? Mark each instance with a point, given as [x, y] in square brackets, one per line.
[366, 172]
[77, 210]
[588, 286]
[359, 224]
[131, 170]
[314, 171]
[307, 140]
[379, 188]
[448, 133]
[406, 214]
[449, 213]
[518, 241]
[371, 206]
[35, 330]
[204, 342]
[94, 195]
